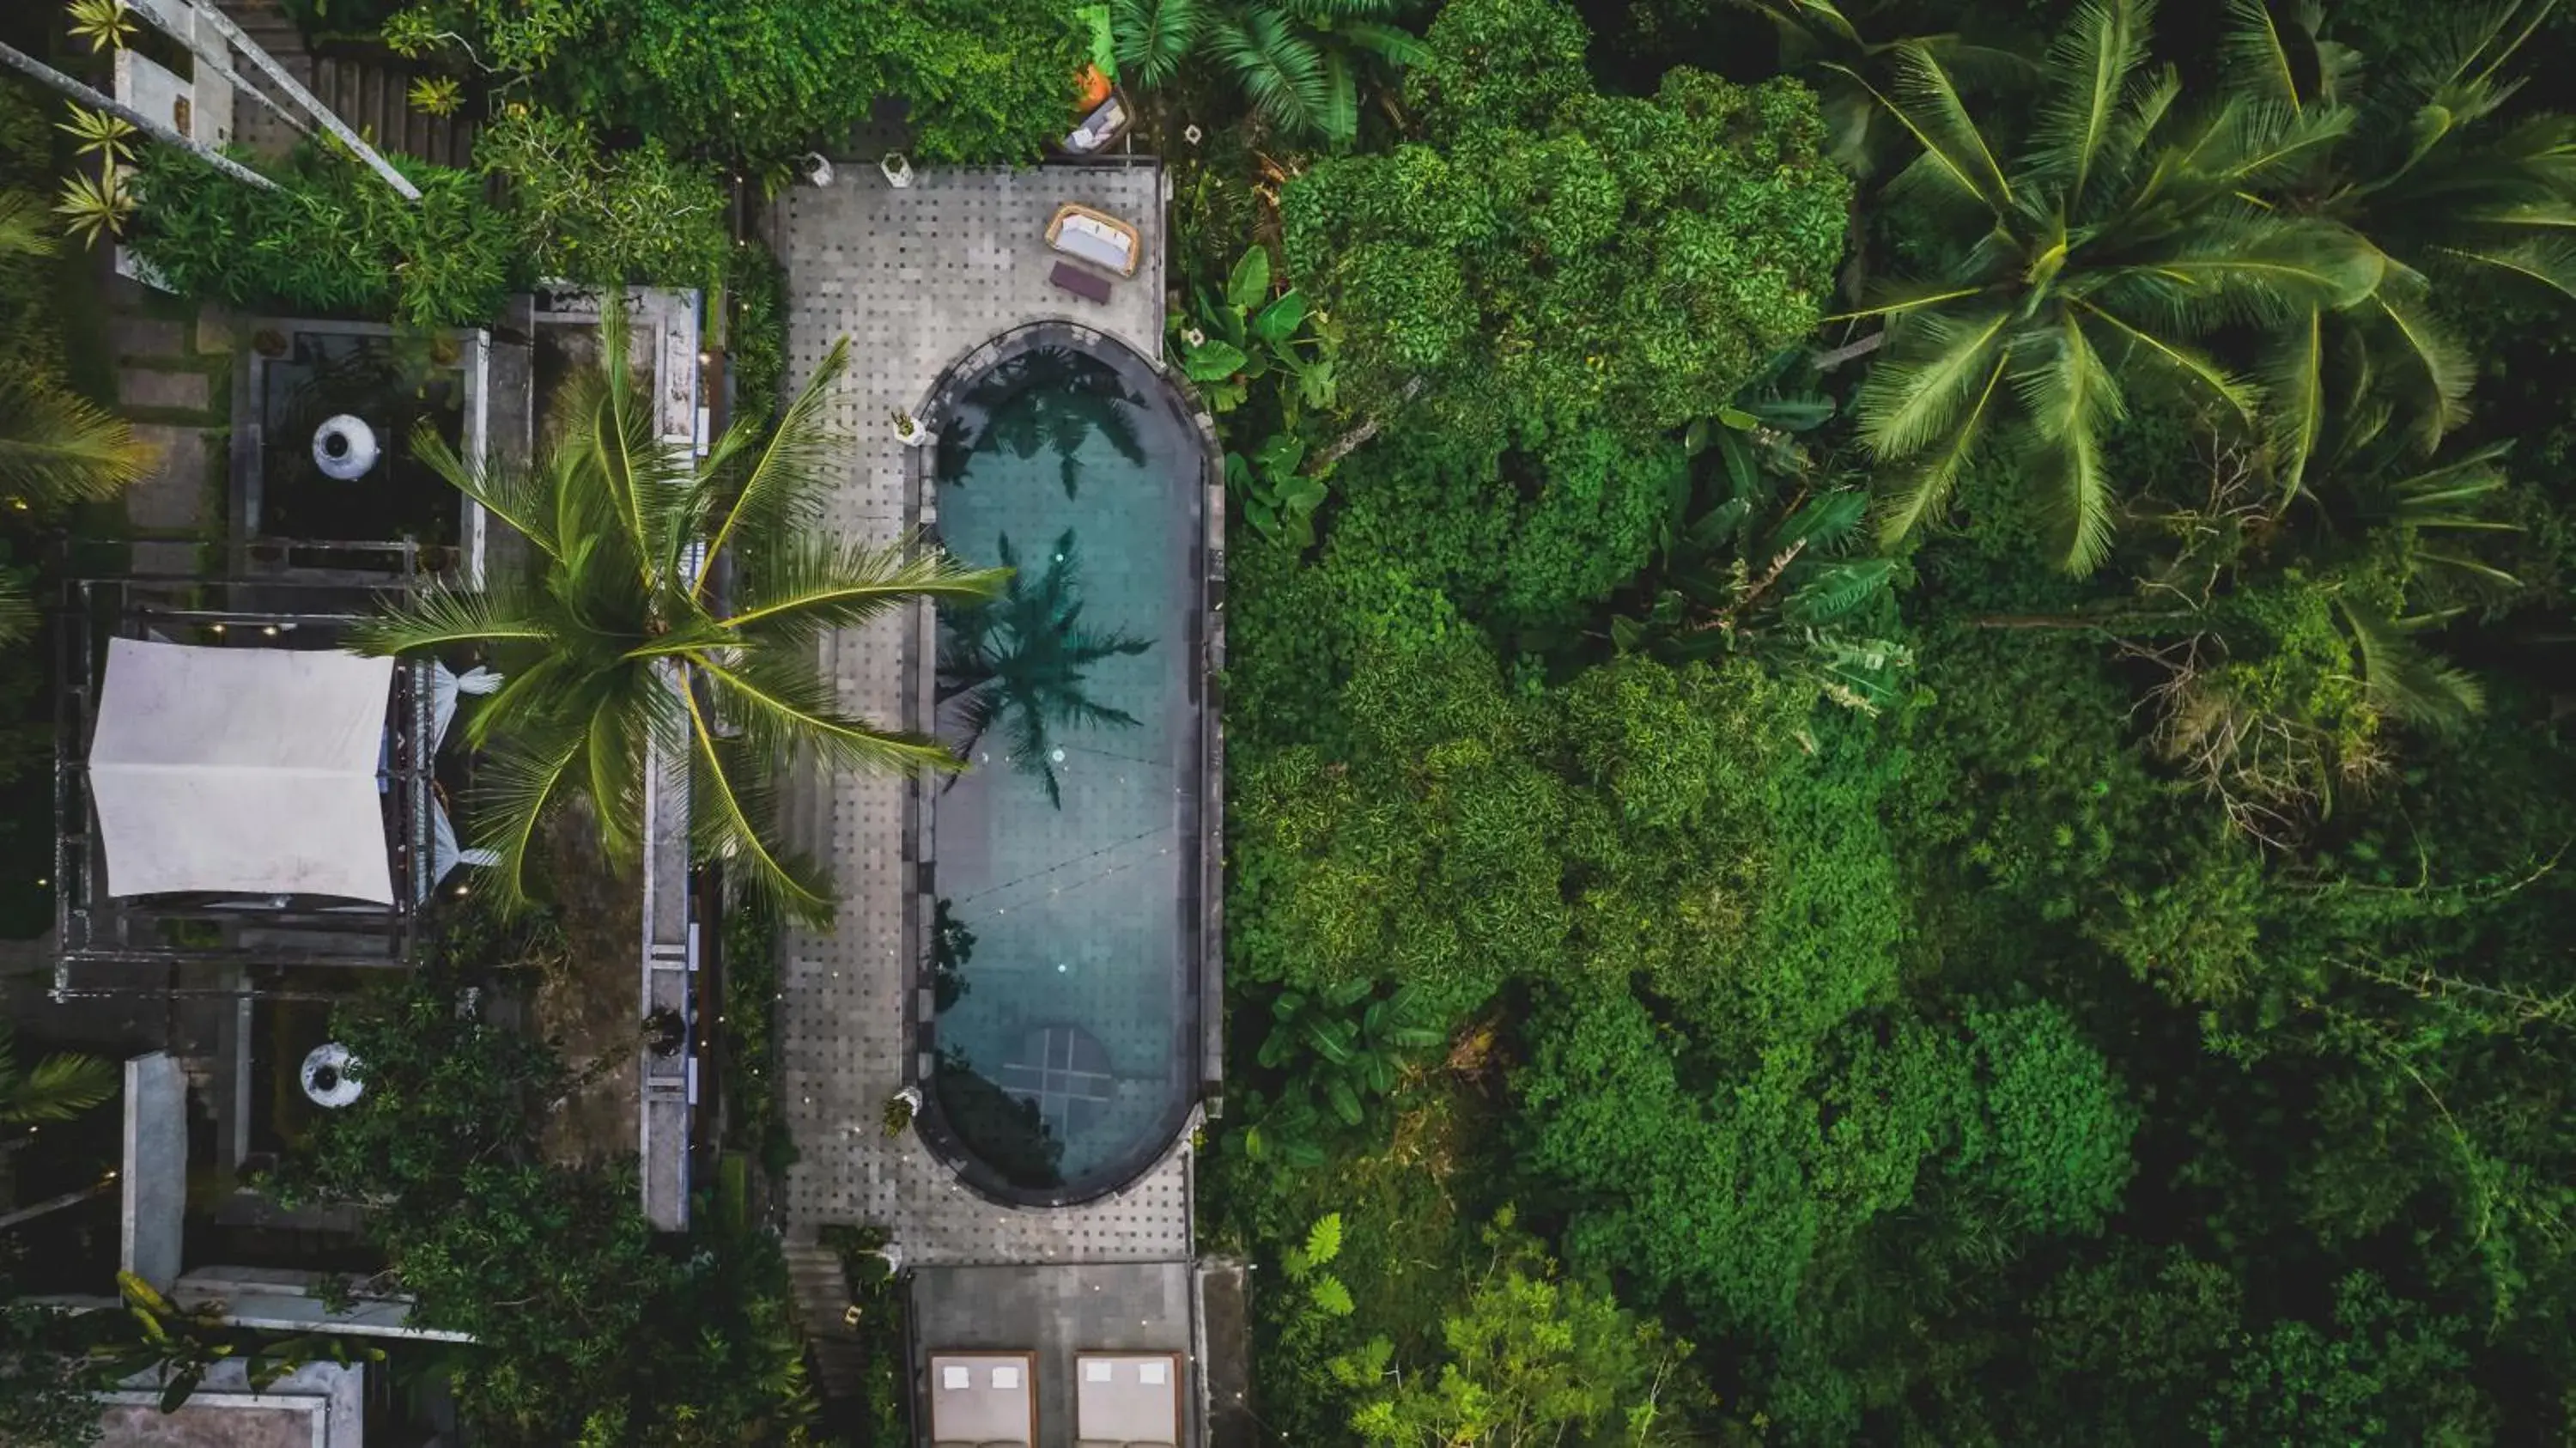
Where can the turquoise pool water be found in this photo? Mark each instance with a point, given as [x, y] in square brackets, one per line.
[1065, 858]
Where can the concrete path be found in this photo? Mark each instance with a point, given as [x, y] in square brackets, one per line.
[917, 278]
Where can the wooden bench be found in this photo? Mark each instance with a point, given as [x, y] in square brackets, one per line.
[1081, 283]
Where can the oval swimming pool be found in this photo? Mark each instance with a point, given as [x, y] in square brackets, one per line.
[1066, 870]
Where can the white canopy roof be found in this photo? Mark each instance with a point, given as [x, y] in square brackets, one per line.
[250, 771]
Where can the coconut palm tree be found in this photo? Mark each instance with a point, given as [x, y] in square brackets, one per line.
[1299, 62]
[2087, 262]
[1023, 659]
[2424, 169]
[60, 1087]
[619, 636]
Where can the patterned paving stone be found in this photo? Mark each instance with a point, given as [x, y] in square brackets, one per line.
[917, 279]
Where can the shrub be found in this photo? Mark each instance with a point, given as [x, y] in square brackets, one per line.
[604, 217]
[332, 238]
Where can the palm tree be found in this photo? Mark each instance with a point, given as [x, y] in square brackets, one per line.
[618, 637]
[1298, 61]
[2422, 168]
[1024, 658]
[2118, 233]
[61, 1086]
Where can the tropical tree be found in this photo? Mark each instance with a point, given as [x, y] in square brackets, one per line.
[61, 1086]
[2087, 262]
[2425, 168]
[1024, 659]
[619, 635]
[1299, 62]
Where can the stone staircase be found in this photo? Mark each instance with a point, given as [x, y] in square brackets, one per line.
[369, 89]
[821, 1295]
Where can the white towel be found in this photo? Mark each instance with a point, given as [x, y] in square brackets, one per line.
[1096, 1371]
[1006, 1377]
[955, 1379]
[1151, 1374]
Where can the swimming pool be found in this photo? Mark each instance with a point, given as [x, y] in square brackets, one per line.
[1070, 862]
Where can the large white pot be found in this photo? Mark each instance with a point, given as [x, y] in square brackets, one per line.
[344, 447]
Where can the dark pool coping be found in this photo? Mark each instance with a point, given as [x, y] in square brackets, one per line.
[1204, 1004]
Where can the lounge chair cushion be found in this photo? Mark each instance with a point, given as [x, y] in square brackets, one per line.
[1003, 1443]
[1085, 238]
[1098, 1443]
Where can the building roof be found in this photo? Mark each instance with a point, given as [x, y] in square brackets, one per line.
[241, 770]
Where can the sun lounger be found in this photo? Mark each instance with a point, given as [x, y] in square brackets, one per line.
[1126, 1400]
[983, 1399]
[1100, 129]
[1096, 237]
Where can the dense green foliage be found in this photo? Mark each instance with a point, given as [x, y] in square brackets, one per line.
[588, 1328]
[759, 80]
[333, 238]
[1971, 1003]
[1549, 253]
[588, 214]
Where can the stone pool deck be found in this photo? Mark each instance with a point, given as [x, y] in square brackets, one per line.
[917, 278]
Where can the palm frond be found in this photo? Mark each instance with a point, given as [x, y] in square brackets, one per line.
[1916, 394]
[442, 616]
[2196, 372]
[2262, 271]
[1391, 43]
[2442, 371]
[799, 586]
[781, 487]
[2550, 261]
[1153, 37]
[57, 449]
[2256, 54]
[2404, 682]
[2294, 388]
[60, 1087]
[520, 497]
[2089, 65]
[735, 821]
[1280, 70]
[1927, 487]
[1929, 106]
[2072, 400]
[785, 709]
[518, 787]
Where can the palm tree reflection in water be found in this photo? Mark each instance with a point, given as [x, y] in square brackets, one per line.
[1021, 662]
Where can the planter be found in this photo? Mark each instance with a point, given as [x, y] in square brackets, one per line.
[665, 1032]
[897, 169]
[899, 1109]
[817, 170]
[909, 431]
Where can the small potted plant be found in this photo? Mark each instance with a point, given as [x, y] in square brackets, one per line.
[897, 168]
[665, 1032]
[908, 429]
[899, 1109]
